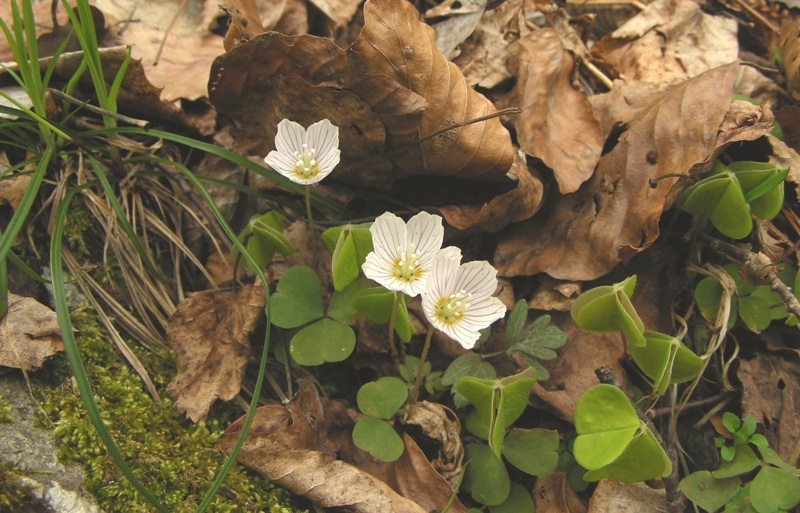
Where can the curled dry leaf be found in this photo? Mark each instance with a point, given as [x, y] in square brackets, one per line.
[615, 214]
[398, 50]
[29, 334]
[557, 124]
[441, 424]
[515, 205]
[245, 22]
[789, 44]
[209, 335]
[290, 445]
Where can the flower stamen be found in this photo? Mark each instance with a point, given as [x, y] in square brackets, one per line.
[305, 163]
[451, 309]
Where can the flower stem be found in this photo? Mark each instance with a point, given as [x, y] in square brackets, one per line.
[308, 212]
[422, 358]
[393, 319]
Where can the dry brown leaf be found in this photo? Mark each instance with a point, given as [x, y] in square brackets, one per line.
[786, 158]
[440, 424]
[274, 77]
[12, 188]
[771, 393]
[669, 41]
[615, 497]
[518, 204]
[462, 19]
[190, 47]
[339, 11]
[572, 373]
[552, 294]
[789, 45]
[245, 22]
[615, 214]
[29, 334]
[483, 55]
[209, 335]
[422, 93]
[290, 446]
[557, 124]
[553, 494]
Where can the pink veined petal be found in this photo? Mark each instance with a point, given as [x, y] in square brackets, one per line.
[463, 335]
[323, 137]
[290, 137]
[425, 231]
[377, 268]
[282, 163]
[478, 278]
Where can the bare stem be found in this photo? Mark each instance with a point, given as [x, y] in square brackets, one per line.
[422, 358]
[308, 212]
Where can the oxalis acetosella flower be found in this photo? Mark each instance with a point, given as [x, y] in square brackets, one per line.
[458, 300]
[305, 156]
[402, 253]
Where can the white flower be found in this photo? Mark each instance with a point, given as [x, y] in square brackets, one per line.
[458, 300]
[401, 255]
[305, 157]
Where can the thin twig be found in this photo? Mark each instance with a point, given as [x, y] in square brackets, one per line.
[510, 110]
[97, 110]
[168, 30]
[758, 269]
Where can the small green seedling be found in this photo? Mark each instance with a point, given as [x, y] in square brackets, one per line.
[775, 487]
[349, 245]
[665, 360]
[613, 442]
[380, 401]
[607, 309]
[263, 237]
[499, 402]
[432, 381]
[536, 342]
[729, 194]
[296, 302]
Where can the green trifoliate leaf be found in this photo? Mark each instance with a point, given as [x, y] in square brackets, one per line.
[666, 360]
[297, 299]
[533, 451]
[608, 308]
[382, 398]
[486, 477]
[720, 199]
[322, 342]
[707, 491]
[378, 438]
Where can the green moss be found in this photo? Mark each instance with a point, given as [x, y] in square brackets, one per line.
[175, 459]
[5, 411]
[15, 496]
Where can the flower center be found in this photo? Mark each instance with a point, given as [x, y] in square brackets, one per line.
[407, 266]
[305, 166]
[451, 309]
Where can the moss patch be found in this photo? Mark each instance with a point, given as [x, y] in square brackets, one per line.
[5, 411]
[175, 459]
[15, 496]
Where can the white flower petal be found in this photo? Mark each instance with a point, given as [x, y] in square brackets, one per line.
[290, 137]
[328, 162]
[388, 233]
[323, 136]
[425, 231]
[282, 163]
[441, 279]
[481, 314]
[478, 278]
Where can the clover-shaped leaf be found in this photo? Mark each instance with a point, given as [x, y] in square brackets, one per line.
[486, 477]
[297, 300]
[707, 491]
[470, 364]
[708, 295]
[499, 402]
[762, 185]
[612, 441]
[376, 304]
[538, 341]
[322, 342]
[519, 500]
[744, 460]
[382, 398]
[720, 199]
[609, 308]
[665, 360]
[378, 438]
[350, 249]
[341, 306]
[774, 489]
[533, 451]
[263, 236]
